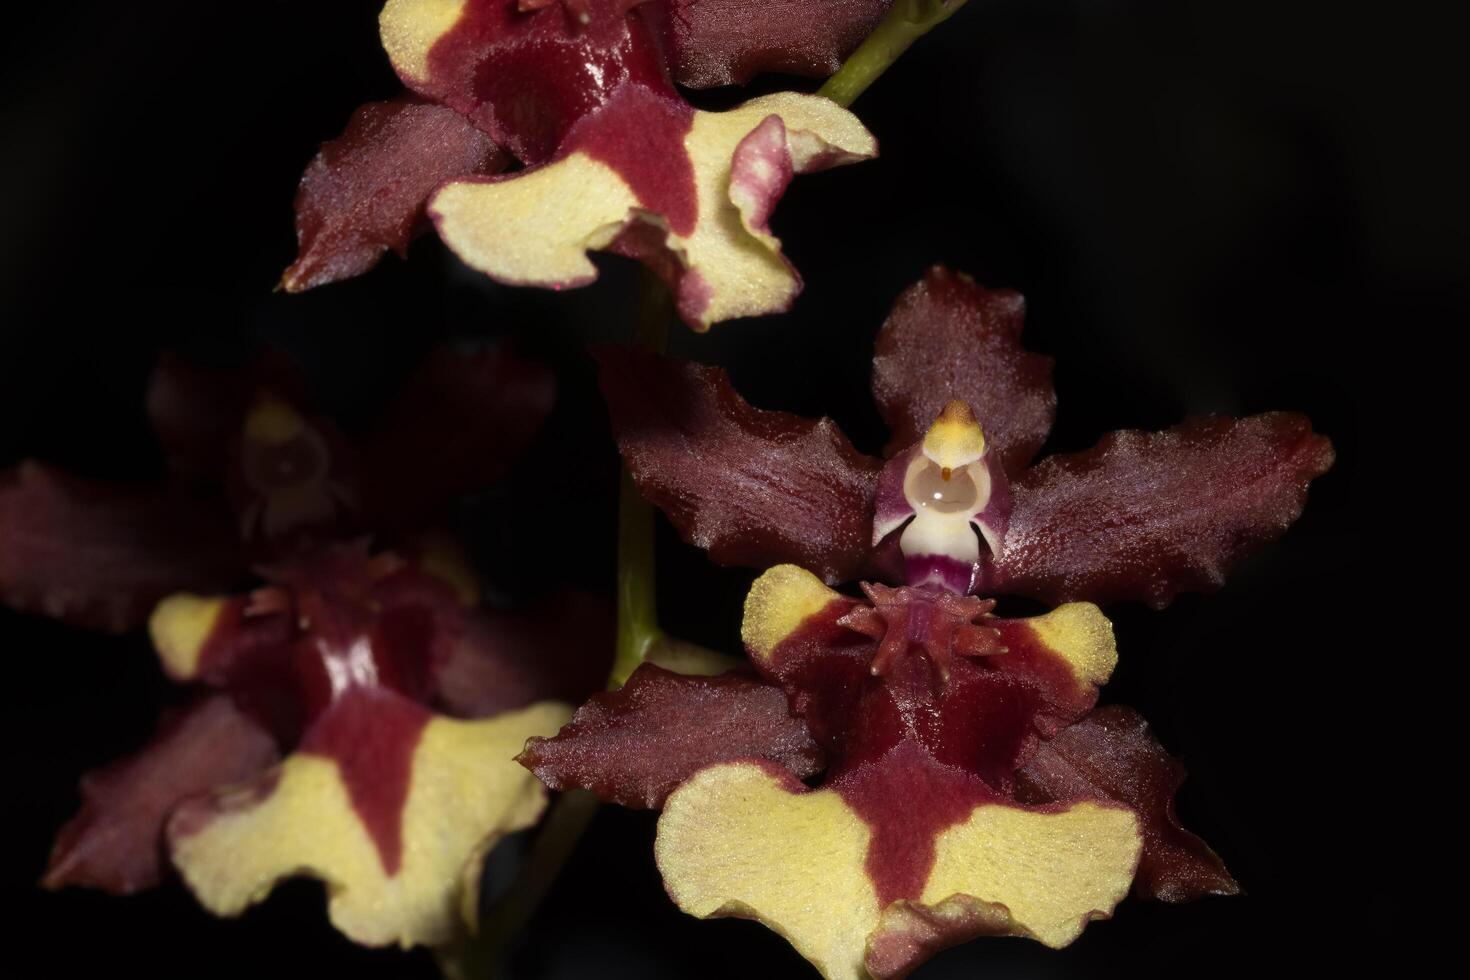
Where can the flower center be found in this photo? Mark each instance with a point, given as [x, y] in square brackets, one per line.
[938, 624]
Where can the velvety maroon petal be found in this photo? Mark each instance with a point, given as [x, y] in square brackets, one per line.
[558, 649]
[948, 339]
[99, 555]
[197, 412]
[1112, 755]
[457, 426]
[727, 42]
[1149, 515]
[115, 842]
[751, 487]
[365, 192]
[633, 746]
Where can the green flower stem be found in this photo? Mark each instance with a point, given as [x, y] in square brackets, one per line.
[905, 23]
[637, 586]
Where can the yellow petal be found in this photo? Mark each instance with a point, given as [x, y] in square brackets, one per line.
[741, 840]
[466, 791]
[410, 28]
[180, 627]
[778, 603]
[1080, 634]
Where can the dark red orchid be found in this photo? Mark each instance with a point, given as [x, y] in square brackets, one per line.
[254, 475]
[323, 742]
[969, 786]
[582, 93]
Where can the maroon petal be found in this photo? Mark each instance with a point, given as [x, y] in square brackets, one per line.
[950, 339]
[197, 411]
[100, 555]
[1149, 515]
[364, 193]
[751, 487]
[727, 42]
[633, 746]
[459, 423]
[1111, 755]
[115, 842]
[558, 649]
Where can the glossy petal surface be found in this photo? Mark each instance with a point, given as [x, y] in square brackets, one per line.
[751, 487]
[1146, 516]
[950, 339]
[465, 791]
[1111, 754]
[633, 746]
[728, 42]
[99, 555]
[115, 842]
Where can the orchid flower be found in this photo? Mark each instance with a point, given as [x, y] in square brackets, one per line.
[582, 93]
[320, 742]
[968, 785]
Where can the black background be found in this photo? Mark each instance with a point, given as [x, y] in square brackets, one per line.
[1210, 206]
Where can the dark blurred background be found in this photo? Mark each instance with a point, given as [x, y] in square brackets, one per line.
[1210, 206]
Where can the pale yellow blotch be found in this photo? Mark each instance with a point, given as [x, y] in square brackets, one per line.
[955, 439]
[1053, 872]
[1080, 634]
[272, 421]
[733, 841]
[777, 604]
[179, 627]
[410, 28]
[536, 228]
[466, 792]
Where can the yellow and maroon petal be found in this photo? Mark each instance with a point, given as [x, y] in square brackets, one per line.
[1145, 516]
[690, 193]
[751, 487]
[205, 638]
[460, 421]
[633, 746]
[949, 339]
[116, 842]
[749, 840]
[1111, 755]
[728, 42]
[395, 821]
[365, 192]
[100, 555]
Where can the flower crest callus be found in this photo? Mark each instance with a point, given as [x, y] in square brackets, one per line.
[970, 786]
[582, 94]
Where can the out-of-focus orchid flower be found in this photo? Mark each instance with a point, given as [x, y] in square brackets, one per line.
[583, 95]
[969, 787]
[326, 741]
[254, 475]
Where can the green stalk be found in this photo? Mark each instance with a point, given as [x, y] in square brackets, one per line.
[905, 23]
